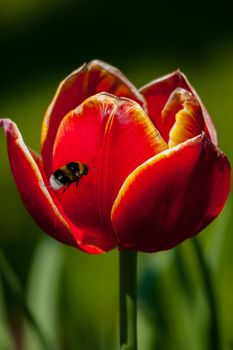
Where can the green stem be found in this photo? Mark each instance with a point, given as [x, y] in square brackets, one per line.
[128, 300]
[16, 288]
[214, 334]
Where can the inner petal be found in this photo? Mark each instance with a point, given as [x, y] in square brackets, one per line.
[111, 136]
[182, 116]
[157, 93]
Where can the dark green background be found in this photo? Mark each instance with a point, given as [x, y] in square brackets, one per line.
[75, 295]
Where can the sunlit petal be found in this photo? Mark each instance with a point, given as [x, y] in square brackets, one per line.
[157, 93]
[172, 196]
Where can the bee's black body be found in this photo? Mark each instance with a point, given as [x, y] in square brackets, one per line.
[68, 174]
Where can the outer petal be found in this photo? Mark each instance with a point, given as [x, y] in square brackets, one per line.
[172, 196]
[112, 136]
[88, 80]
[35, 193]
[157, 93]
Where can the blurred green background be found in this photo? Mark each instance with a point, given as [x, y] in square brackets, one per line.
[74, 296]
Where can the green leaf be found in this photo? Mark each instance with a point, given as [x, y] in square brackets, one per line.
[6, 342]
[43, 287]
[17, 293]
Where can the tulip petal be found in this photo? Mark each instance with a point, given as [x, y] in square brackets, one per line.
[172, 196]
[184, 114]
[111, 136]
[88, 80]
[157, 93]
[28, 174]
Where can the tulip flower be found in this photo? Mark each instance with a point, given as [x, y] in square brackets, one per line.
[140, 170]
[155, 173]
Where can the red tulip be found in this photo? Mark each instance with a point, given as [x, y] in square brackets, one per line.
[154, 175]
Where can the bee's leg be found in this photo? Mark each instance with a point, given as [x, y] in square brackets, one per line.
[77, 182]
[65, 187]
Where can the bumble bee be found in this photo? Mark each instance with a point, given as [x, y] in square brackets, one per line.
[67, 174]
